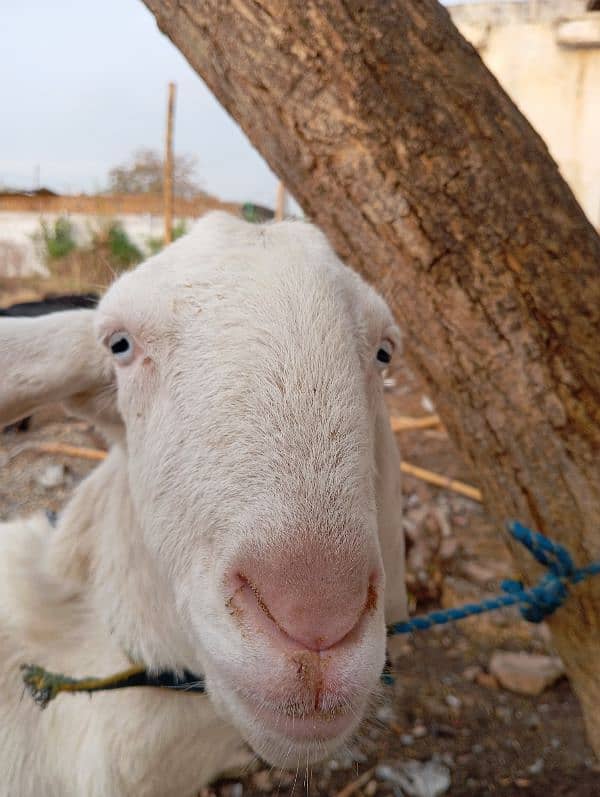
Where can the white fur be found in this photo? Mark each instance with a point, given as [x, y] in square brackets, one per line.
[250, 426]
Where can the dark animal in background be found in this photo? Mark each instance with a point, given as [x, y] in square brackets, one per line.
[49, 304]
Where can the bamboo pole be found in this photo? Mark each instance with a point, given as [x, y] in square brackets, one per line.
[168, 166]
[280, 202]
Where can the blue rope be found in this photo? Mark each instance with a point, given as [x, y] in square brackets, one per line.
[537, 602]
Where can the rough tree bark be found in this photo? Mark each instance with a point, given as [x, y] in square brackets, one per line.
[386, 126]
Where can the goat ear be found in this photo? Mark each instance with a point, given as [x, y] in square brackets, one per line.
[389, 516]
[55, 358]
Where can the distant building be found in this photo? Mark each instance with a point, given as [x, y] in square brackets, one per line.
[257, 213]
[546, 55]
[40, 192]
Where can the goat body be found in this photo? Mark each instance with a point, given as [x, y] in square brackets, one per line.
[51, 304]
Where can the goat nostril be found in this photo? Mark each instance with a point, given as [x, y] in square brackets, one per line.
[247, 584]
[295, 615]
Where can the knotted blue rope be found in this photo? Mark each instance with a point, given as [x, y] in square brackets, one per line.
[536, 602]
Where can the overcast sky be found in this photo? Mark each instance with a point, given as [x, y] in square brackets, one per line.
[84, 85]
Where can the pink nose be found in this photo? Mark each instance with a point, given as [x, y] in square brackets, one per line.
[300, 602]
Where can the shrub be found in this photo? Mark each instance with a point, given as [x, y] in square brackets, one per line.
[122, 249]
[156, 243]
[57, 238]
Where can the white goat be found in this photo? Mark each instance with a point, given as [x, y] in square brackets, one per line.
[240, 526]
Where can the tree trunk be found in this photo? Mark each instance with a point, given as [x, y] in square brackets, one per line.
[386, 126]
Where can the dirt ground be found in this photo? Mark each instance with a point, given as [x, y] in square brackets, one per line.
[444, 707]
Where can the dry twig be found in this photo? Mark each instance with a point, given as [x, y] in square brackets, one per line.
[96, 454]
[425, 475]
[402, 423]
[441, 481]
[355, 785]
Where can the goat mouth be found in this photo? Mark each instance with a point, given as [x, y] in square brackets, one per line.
[299, 723]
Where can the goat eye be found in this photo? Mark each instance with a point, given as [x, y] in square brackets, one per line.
[121, 345]
[384, 353]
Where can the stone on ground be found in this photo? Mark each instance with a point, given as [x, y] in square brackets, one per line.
[526, 673]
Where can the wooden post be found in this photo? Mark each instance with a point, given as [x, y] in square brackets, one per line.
[280, 202]
[168, 167]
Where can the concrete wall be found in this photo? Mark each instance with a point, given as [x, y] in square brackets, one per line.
[546, 54]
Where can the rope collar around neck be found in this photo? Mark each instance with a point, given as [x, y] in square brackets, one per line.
[44, 686]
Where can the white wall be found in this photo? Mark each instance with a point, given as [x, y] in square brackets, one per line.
[19, 255]
[547, 57]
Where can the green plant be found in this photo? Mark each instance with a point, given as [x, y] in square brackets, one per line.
[179, 229]
[57, 238]
[122, 249]
[156, 243]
